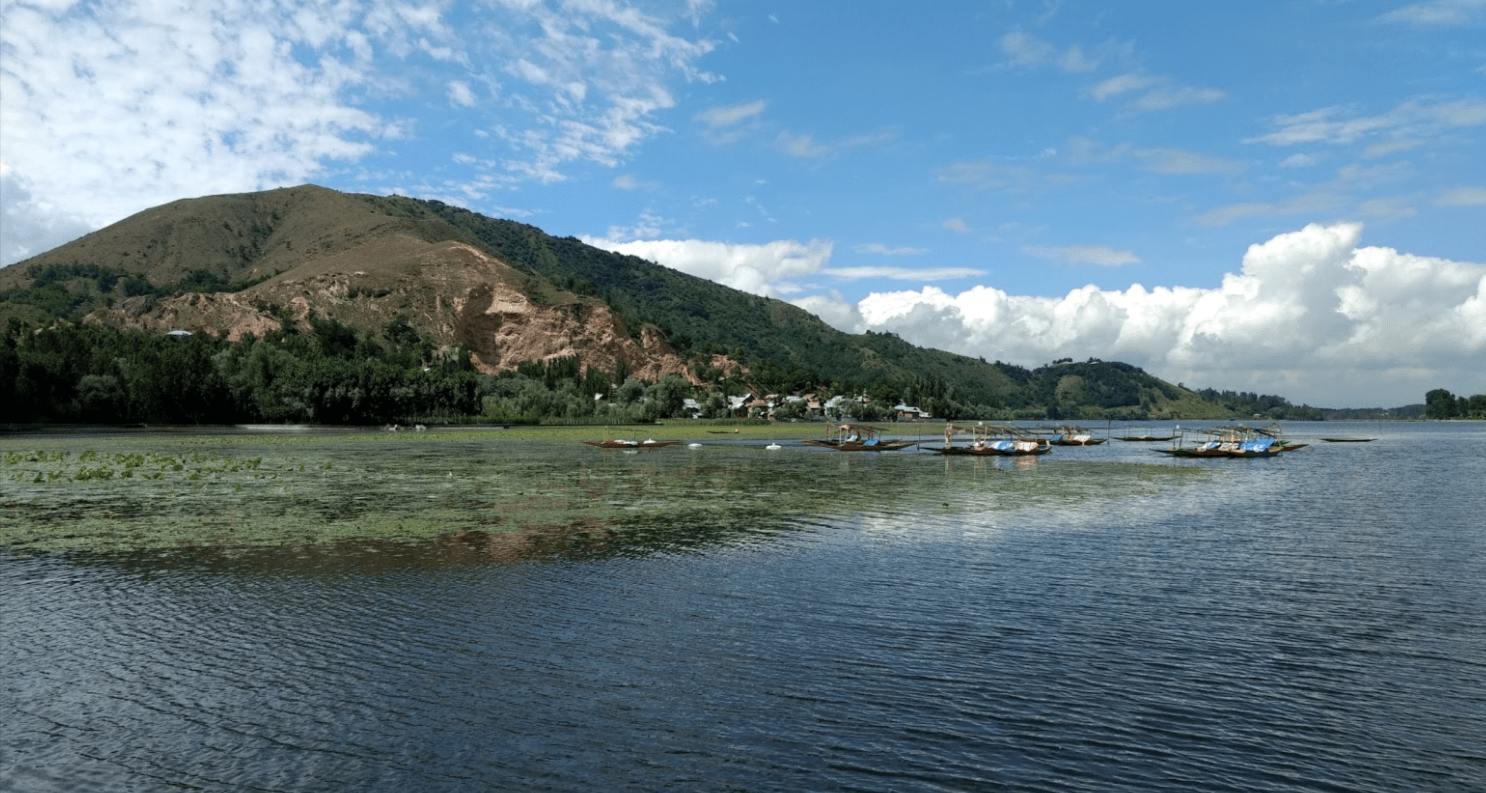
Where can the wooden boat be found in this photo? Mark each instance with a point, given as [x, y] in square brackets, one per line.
[857, 438]
[1235, 441]
[1074, 436]
[1145, 438]
[994, 441]
[645, 444]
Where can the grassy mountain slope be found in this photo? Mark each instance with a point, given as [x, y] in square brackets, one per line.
[701, 315]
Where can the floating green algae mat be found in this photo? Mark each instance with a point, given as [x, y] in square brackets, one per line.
[162, 491]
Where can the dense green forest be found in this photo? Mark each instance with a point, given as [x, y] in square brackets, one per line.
[1244, 403]
[1441, 404]
[69, 372]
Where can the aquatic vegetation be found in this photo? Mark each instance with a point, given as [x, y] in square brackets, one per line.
[255, 490]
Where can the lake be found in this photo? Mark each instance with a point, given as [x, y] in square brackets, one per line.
[460, 612]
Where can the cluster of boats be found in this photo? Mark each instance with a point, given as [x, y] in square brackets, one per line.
[991, 440]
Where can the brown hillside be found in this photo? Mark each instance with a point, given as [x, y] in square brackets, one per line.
[360, 260]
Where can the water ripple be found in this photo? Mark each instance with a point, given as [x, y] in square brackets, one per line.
[1283, 628]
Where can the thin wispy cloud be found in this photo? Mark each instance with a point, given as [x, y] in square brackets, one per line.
[720, 117]
[1463, 197]
[879, 249]
[1101, 255]
[1440, 13]
[1338, 125]
[923, 275]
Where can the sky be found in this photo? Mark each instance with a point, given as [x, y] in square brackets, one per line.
[1278, 197]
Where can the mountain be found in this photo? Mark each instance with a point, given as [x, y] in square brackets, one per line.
[509, 293]
[239, 264]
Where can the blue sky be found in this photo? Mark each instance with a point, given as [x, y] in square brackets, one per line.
[1282, 197]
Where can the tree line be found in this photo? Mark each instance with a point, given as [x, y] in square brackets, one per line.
[1440, 404]
[331, 373]
[70, 372]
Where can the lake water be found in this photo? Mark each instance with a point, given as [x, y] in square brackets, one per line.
[732, 618]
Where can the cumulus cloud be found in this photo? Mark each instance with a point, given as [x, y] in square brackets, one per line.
[460, 94]
[769, 269]
[111, 108]
[1310, 315]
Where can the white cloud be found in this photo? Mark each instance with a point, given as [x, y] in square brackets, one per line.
[956, 224]
[111, 108]
[769, 269]
[460, 94]
[1310, 316]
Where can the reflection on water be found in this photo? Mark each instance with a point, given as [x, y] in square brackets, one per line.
[1089, 620]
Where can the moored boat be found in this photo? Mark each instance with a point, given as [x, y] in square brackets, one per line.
[1142, 435]
[1074, 436]
[649, 443]
[994, 440]
[1234, 440]
[857, 438]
